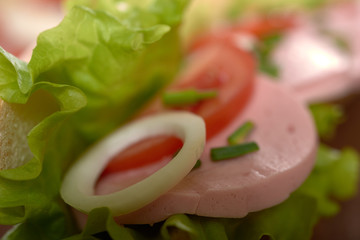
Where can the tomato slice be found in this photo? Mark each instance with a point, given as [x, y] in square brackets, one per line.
[220, 66]
[258, 28]
[144, 152]
[228, 70]
[261, 27]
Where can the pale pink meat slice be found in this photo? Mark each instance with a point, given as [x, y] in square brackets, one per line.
[233, 188]
[312, 64]
[343, 19]
[21, 21]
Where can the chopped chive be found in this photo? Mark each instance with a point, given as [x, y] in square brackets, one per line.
[222, 153]
[197, 164]
[239, 135]
[263, 52]
[187, 97]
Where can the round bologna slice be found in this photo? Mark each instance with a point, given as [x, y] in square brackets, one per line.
[21, 21]
[343, 20]
[232, 188]
[310, 63]
[320, 59]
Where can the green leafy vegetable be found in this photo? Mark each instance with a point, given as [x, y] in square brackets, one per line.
[89, 66]
[102, 54]
[269, 222]
[263, 51]
[15, 81]
[100, 223]
[335, 177]
[326, 117]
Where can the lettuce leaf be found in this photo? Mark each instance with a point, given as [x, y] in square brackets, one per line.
[99, 71]
[334, 178]
[97, 226]
[15, 81]
[327, 117]
[103, 60]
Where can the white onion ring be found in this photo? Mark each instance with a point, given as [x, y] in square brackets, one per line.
[78, 185]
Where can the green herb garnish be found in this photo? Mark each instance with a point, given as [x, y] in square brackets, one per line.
[263, 51]
[197, 164]
[187, 97]
[227, 152]
[239, 135]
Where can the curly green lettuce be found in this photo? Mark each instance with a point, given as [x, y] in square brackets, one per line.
[100, 70]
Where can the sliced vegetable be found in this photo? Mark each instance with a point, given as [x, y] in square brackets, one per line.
[327, 117]
[228, 70]
[78, 186]
[227, 152]
[264, 50]
[262, 29]
[137, 155]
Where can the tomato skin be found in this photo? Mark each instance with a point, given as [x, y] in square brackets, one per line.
[220, 66]
[267, 25]
[216, 65]
[144, 152]
[230, 71]
[258, 29]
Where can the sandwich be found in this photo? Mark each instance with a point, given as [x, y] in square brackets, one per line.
[113, 73]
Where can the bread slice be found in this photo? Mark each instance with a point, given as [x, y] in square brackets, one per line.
[16, 121]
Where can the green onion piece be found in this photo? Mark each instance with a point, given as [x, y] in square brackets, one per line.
[197, 164]
[187, 97]
[263, 51]
[222, 153]
[241, 133]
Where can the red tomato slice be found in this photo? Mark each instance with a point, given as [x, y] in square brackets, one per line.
[258, 28]
[228, 70]
[137, 155]
[220, 66]
[264, 26]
